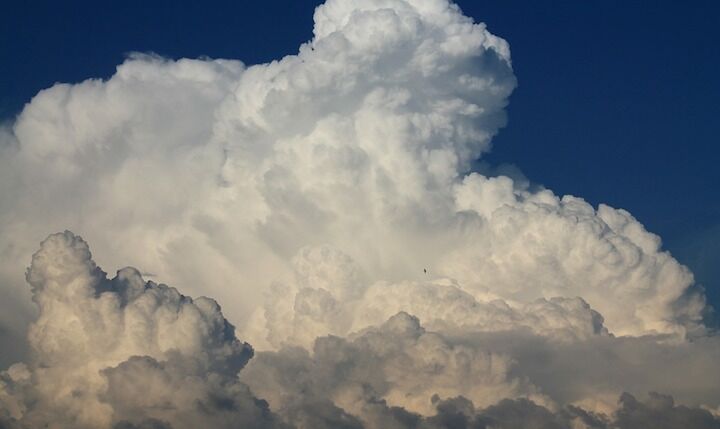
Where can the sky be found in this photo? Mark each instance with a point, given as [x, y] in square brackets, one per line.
[634, 84]
[359, 214]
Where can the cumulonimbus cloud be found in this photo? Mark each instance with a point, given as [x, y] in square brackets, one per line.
[328, 201]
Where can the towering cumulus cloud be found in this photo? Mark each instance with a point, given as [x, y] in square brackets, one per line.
[328, 201]
[105, 350]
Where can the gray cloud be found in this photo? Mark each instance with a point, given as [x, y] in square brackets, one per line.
[403, 365]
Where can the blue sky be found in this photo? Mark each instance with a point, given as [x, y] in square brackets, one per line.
[616, 101]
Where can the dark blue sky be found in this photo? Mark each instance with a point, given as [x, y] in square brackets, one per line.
[617, 100]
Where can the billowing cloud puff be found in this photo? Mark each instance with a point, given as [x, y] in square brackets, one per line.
[317, 303]
[328, 200]
[123, 350]
[126, 353]
[403, 365]
[220, 174]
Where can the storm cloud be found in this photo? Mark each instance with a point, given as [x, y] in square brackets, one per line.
[328, 201]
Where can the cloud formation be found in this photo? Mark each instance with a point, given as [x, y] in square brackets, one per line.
[123, 351]
[328, 200]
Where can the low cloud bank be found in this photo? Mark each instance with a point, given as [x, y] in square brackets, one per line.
[122, 351]
[125, 353]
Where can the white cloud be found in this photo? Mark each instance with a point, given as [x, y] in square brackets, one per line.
[105, 351]
[327, 193]
[123, 352]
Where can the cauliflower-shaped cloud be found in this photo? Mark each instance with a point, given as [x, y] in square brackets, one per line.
[328, 200]
[109, 350]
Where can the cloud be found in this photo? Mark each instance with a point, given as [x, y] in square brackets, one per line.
[124, 353]
[361, 142]
[398, 361]
[122, 349]
[658, 411]
[328, 200]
